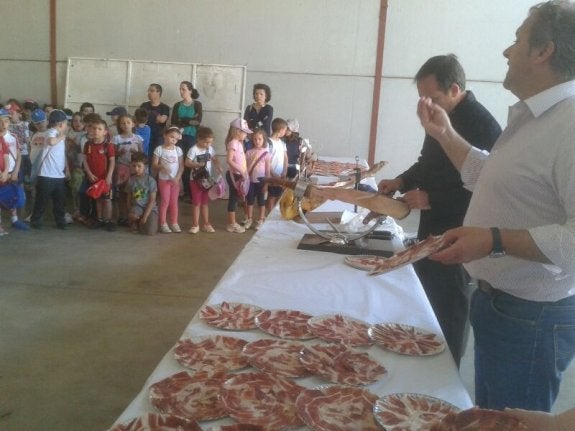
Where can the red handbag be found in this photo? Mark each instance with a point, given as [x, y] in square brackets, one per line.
[98, 189]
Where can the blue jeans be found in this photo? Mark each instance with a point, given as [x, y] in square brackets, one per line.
[521, 349]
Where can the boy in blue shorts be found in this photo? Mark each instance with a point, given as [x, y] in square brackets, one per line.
[141, 192]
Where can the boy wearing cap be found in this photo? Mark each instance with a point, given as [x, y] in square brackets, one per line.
[52, 172]
[114, 114]
[14, 162]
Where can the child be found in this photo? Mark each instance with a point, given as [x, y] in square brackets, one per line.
[279, 161]
[14, 164]
[127, 144]
[142, 129]
[199, 159]
[141, 191]
[114, 114]
[99, 162]
[52, 172]
[258, 161]
[88, 214]
[21, 130]
[237, 168]
[168, 164]
[39, 123]
[4, 175]
[75, 159]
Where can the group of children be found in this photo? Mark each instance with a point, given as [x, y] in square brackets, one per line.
[78, 162]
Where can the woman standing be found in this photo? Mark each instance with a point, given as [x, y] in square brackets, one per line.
[187, 114]
[259, 114]
[158, 114]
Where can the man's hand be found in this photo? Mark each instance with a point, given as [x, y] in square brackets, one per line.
[535, 421]
[465, 244]
[433, 118]
[389, 187]
[417, 200]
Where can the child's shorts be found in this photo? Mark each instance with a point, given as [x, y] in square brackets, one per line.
[200, 196]
[275, 191]
[151, 226]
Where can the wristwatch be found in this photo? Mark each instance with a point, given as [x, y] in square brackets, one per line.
[497, 249]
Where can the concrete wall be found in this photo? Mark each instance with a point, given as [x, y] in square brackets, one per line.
[318, 56]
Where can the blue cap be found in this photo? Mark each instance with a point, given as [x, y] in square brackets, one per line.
[4, 112]
[57, 116]
[38, 115]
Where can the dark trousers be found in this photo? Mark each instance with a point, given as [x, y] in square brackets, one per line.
[447, 288]
[50, 188]
[185, 144]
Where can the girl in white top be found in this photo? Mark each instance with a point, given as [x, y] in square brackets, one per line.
[127, 143]
[168, 164]
[201, 156]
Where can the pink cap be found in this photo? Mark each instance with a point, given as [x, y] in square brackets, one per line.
[240, 123]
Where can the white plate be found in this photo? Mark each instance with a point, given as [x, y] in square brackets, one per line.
[290, 324]
[406, 339]
[364, 262]
[340, 329]
[410, 412]
[233, 316]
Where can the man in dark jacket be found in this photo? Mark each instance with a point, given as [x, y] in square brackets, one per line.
[433, 185]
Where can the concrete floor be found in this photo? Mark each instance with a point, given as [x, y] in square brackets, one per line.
[85, 316]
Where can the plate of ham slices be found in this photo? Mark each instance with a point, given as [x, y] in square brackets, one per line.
[290, 324]
[337, 408]
[234, 316]
[262, 399]
[340, 329]
[410, 412]
[412, 254]
[477, 419]
[279, 357]
[216, 352]
[158, 422]
[338, 363]
[406, 339]
[191, 396]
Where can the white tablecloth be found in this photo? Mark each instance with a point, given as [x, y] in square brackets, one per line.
[272, 273]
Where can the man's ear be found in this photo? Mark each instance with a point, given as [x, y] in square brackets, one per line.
[545, 52]
[454, 90]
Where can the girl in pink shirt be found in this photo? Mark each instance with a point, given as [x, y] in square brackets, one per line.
[237, 169]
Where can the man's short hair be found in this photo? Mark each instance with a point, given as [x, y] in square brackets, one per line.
[278, 124]
[446, 69]
[554, 21]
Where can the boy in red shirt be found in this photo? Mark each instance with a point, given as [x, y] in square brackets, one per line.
[99, 162]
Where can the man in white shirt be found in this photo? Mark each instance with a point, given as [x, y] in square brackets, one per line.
[518, 237]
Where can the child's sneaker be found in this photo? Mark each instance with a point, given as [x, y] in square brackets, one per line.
[68, 218]
[244, 221]
[165, 229]
[209, 228]
[2, 231]
[235, 228]
[248, 223]
[20, 225]
[259, 224]
[194, 229]
[110, 226]
[176, 228]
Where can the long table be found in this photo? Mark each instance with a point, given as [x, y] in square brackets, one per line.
[273, 274]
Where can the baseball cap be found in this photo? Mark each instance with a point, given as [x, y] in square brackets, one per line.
[293, 124]
[57, 116]
[118, 110]
[38, 115]
[12, 107]
[240, 123]
[4, 112]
